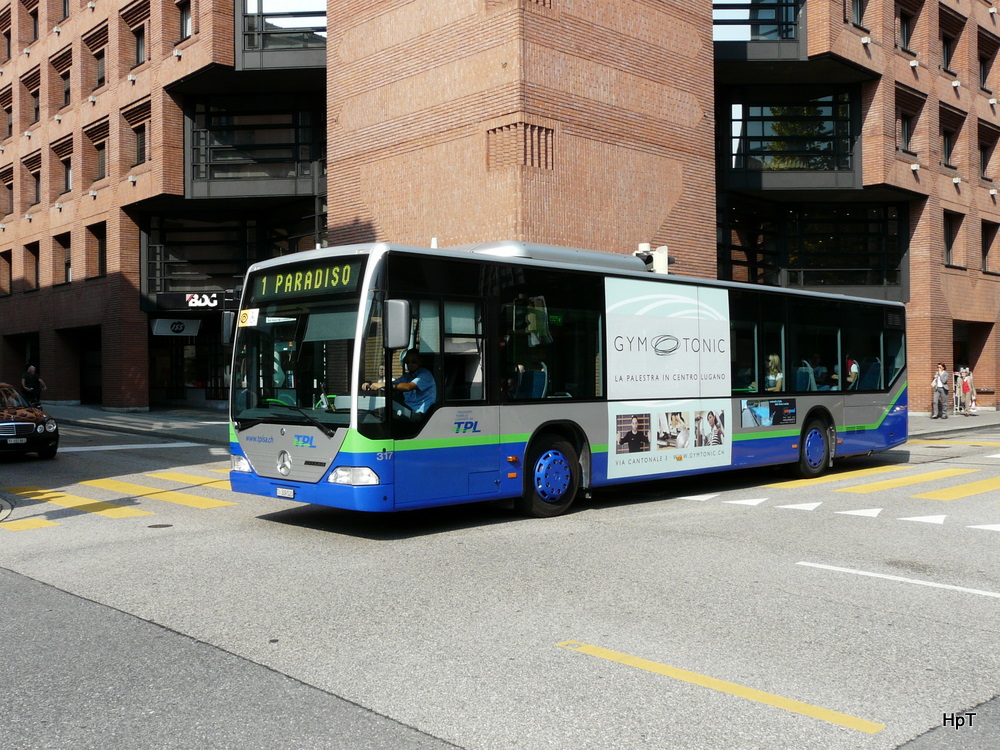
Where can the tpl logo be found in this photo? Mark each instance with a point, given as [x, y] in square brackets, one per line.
[303, 441]
[463, 427]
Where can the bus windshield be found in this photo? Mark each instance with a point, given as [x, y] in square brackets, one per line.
[293, 351]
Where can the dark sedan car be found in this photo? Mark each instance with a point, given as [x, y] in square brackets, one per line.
[23, 428]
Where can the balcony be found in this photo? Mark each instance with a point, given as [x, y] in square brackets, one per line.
[275, 36]
[758, 29]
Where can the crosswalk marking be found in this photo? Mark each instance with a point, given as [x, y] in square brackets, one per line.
[963, 490]
[889, 484]
[176, 476]
[839, 477]
[137, 490]
[26, 524]
[83, 504]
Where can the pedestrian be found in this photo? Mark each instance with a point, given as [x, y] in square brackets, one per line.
[939, 407]
[32, 385]
[967, 391]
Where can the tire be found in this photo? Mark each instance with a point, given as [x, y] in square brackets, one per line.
[47, 453]
[552, 477]
[814, 450]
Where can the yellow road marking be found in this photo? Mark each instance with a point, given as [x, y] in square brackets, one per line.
[889, 484]
[740, 691]
[792, 484]
[963, 490]
[176, 476]
[137, 490]
[27, 524]
[83, 504]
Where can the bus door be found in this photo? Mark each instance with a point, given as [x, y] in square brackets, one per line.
[453, 452]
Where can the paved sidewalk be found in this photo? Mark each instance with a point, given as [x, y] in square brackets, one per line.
[212, 425]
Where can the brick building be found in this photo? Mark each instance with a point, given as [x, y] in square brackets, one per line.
[857, 153]
[155, 148]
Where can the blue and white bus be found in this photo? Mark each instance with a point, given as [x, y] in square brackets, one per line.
[553, 371]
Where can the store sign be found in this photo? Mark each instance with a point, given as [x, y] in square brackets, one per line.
[195, 301]
[201, 300]
[165, 327]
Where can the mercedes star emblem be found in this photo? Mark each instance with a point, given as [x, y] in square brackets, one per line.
[284, 463]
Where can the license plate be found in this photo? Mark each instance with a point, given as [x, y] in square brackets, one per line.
[16, 441]
[285, 492]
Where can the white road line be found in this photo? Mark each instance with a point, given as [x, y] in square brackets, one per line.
[86, 449]
[901, 580]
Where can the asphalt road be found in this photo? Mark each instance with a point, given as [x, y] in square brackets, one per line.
[148, 606]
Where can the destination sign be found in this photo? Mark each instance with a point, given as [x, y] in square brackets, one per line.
[324, 277]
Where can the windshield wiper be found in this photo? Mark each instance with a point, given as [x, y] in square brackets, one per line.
[312, 420]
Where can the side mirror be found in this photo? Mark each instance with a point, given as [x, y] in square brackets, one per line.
[396, 323]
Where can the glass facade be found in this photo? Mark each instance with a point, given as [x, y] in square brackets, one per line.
[811, 245]
[754, 20]
[808, 133]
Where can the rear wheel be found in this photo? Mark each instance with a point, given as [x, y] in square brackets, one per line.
[814, 450]
[553, 477]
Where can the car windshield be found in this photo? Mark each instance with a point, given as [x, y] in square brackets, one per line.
[11, 399]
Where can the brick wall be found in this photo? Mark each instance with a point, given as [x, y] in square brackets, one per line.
[568, 122]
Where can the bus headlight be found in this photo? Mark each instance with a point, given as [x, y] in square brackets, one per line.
[353, 475]
[240, 463]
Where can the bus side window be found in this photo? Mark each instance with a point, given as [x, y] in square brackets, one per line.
[744, 331]
[551, 344]
[463, 351]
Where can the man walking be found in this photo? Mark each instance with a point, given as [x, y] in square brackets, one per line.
[939, 408]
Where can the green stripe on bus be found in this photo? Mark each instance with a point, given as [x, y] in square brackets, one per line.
[845, 428]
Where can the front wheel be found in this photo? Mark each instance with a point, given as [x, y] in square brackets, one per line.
[553, 478]
[814, 450]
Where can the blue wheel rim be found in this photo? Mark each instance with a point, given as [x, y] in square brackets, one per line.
[552, 476]
[815, 449]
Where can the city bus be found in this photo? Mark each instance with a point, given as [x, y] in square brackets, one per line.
[547, 372]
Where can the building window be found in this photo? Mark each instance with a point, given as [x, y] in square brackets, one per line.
[140, 143]
[952, 226]
[811, 133]
[7, 191]
[858, 12]
[65, 9]
[67, 96]
[36, 106]
[101, 166]
[97, 250]
[270, 24]
[33, 24]
[139, 37]
[906, 124]
[62, 258]
[906, 26]
[947, 51]
[32, 273]
[36, 187]
[988, 240]
[100, 76]
[184, 13]
[237, 140]
[947, 147]
[67, 169]
[6, 274]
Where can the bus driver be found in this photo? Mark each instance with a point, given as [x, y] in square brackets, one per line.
[416, 384]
